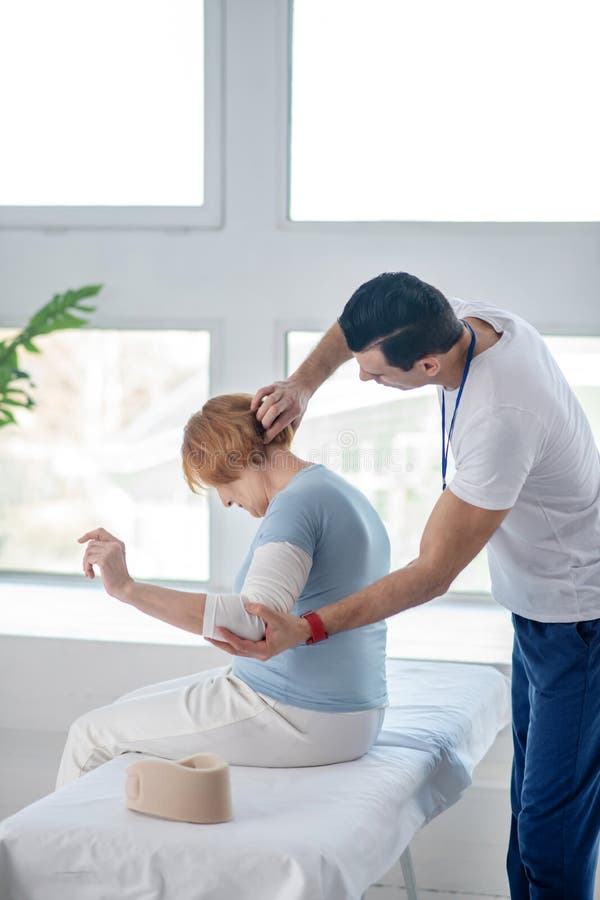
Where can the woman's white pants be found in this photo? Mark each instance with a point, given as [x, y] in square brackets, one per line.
[217, 712]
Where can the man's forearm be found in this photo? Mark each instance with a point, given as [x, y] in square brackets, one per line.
[179, 608]
[411, 586]
[454, 534]
[329, 354]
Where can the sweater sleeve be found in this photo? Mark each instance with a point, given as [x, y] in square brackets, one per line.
[276, 577]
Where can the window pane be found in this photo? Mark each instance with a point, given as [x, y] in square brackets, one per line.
[387, 443]
[445, 111]
[579, 359]
[102, 103]
[102, 448]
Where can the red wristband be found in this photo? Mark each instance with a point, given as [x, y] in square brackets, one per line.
[317, 629]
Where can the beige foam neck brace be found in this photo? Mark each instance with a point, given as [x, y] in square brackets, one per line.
[196, 789]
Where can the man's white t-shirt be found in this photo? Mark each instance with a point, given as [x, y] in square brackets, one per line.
[522, 442]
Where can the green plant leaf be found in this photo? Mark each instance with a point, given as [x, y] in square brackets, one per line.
[60, 313]
[6, 417]
[17, 373]
[61, 322]
[8, 356]
[12, 393]
[89, 290]
[55, 315]
[8, 401]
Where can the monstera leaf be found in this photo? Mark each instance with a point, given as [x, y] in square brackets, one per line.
[62, 312]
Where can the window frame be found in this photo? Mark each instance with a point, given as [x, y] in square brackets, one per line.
[170, 218]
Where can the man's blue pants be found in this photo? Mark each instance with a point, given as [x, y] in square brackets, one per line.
[555, 788]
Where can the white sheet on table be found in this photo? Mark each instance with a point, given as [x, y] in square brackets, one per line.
[298, 834]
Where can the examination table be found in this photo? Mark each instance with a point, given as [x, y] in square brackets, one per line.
[322, 833]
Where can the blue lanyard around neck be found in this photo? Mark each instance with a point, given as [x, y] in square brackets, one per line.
[446, 443]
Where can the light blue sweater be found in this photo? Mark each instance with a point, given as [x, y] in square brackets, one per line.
[323, 514]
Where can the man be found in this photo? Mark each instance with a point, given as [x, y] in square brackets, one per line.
[527, 485]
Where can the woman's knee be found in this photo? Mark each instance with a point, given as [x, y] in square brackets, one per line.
[88, 723]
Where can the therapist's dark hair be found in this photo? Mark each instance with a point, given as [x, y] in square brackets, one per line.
[402, 315]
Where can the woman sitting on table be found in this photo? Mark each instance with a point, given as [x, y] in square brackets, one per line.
[319, 540]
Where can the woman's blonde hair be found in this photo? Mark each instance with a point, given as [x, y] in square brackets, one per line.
[224, 438]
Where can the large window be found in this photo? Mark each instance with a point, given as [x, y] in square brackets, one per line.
[105, 120]
[102, 448]
[387, 442]
[438, 111]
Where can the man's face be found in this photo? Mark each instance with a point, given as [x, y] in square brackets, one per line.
[374, 367]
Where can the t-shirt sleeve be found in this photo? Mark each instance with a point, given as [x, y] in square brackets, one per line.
[294, 519]
[495, 456]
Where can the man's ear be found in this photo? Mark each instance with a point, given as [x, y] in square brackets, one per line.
[429, 366]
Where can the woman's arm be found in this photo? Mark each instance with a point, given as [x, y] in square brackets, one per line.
[179, 608]
[182, 609]
[276, 577]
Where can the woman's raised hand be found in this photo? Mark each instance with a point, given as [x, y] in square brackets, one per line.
[279, 404]
[108, 553]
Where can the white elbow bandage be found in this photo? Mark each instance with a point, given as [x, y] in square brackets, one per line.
[276, 577]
